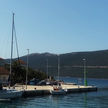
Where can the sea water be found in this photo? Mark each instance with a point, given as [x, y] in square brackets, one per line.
[96, 99]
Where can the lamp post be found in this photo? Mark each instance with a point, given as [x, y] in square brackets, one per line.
[85, 73]
[27, 67]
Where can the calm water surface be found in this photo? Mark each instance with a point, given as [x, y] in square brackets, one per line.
[97, 99]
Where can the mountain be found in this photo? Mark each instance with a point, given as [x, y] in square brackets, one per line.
[71, 64]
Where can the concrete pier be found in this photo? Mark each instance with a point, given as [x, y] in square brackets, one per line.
[45, 90]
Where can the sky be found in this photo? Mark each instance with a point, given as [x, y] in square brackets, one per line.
[55, 26]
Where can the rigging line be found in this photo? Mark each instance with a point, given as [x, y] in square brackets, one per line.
[16, 42]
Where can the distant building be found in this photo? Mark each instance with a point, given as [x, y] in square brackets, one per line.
[4, 75]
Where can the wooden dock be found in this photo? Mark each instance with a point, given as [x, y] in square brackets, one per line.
[45, 90]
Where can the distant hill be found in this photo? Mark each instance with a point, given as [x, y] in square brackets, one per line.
[71, 64]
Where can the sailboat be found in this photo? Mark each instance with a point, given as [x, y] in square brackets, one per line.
[58, 90]
[10, 93]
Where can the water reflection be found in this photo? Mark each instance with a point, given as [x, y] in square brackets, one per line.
[85, 100]
[58, 100]
[7, 104]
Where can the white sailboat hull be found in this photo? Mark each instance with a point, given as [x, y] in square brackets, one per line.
[10, 94]
[58, 92]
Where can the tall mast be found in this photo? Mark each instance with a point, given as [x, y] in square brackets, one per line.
[11, 49]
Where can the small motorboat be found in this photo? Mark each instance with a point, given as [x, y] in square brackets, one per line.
[58, 91]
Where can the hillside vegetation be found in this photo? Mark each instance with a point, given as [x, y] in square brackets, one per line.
[71, 64]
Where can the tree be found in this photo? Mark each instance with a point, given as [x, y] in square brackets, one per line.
[18, 74]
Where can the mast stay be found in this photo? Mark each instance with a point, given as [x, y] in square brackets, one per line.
[13, 36]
